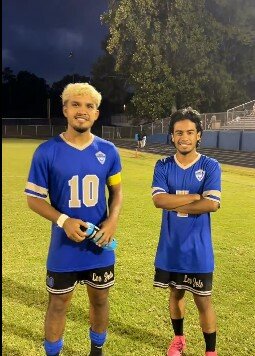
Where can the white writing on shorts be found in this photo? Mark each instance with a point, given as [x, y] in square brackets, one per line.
[107, 276]
[193, 281]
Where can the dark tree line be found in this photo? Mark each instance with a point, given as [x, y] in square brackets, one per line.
[23, 95]
[26, 96]
[160, 55]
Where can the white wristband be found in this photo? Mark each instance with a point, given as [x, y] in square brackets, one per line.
[62, 219]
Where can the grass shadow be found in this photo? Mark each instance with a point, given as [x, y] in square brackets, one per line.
[28, 334]
[32, 297]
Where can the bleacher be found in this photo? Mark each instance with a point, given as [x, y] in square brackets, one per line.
[240, 123]
[241, 117]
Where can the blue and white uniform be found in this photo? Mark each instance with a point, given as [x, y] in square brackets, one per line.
[74, 179]
[185, 244]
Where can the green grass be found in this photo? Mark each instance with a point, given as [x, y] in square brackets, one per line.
[139, 313]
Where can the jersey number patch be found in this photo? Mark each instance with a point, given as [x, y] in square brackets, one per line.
[90, 184]
[182, 192]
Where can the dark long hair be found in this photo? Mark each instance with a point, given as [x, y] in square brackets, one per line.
[186, 114]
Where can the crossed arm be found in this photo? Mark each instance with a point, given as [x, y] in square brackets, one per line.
[187, 204]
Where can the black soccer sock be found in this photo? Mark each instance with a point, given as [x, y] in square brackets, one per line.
[178, 326]
[210, 341]
[96, 350]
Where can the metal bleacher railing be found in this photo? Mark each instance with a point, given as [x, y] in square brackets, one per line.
[241, 117]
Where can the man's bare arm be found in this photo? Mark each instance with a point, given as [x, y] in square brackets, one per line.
[71, 226]
[198, 207]
[172, 201]
[43, 208]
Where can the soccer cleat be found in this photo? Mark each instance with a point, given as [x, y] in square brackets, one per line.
[211, 353]
[177, 346]
[91, 232]
[96, 351]
[96, 354]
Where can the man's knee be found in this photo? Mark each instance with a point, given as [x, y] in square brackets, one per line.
[203, 302]
[59, 303]
[176, 293]
[98, 297]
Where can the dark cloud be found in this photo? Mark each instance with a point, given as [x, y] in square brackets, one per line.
[39, 35]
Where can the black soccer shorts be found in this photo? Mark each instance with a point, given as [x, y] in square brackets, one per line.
[65, 282]
[197, 283]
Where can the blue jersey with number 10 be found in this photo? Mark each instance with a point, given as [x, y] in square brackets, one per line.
[185, 244]
[75, 179]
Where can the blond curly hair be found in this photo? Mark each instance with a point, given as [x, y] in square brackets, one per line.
[81, 89]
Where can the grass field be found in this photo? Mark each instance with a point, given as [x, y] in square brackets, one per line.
[139, 314]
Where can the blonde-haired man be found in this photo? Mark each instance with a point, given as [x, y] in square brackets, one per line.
[81, 89]
[73, 170]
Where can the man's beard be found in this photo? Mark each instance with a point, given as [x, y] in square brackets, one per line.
[80, 129]
[184, 153]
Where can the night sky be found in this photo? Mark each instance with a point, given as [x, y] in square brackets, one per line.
[38, 36]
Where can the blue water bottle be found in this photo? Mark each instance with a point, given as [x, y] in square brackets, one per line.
[91, 232]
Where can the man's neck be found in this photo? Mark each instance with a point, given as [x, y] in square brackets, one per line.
[186, 159]
[77, 138]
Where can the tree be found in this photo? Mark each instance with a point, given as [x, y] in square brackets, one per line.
[24, 95]
[112, 85]
[8, 90]
[171, 52]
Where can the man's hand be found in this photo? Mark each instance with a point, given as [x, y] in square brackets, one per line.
[106, 232]
[73, 231]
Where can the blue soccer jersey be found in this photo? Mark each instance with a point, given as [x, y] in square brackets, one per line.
[75, 179]
[185, 243]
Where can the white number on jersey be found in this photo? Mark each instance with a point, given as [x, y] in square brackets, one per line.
[90, 184]
[183, 192]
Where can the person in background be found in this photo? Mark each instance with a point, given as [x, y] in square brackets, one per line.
[138, 138]
[144, 138]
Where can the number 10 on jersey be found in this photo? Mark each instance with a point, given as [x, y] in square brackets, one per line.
[90, 184]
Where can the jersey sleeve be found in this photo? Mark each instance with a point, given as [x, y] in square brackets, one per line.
[159, 182]
[212, 186]
[37, 183]
[114, 176]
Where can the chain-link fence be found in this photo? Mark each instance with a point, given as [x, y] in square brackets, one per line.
[113, 132]
[32, 131]
[239, 117]
[243, 114]
[210, 121]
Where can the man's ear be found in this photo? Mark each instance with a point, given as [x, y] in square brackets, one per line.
[64, 110]
[97, 114]
[172, 137]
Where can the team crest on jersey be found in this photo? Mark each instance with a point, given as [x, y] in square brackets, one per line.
[101, 157]
[200, 174]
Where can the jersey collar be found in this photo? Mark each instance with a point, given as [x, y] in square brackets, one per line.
[80, 148]
[188, 165]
